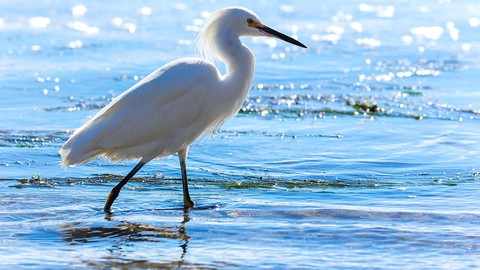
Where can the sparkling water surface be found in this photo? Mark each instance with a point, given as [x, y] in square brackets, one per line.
[361, 151]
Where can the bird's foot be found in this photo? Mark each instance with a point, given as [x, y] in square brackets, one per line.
[188, 203]
[108, 211]
[110, 199]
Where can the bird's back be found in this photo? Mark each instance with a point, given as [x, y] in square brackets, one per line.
[160, 115]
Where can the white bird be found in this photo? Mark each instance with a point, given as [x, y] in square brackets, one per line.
[166, 111]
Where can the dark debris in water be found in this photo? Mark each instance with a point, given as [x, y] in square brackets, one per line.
[223, 133]
[411, 103]
[288, 184]
[368, 106]
[260, 182]
[388, 91]
[37, 181]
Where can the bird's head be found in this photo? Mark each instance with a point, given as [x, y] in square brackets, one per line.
[235, 21]
[245, 22]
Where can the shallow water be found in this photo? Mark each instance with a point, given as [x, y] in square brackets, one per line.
[358, 152]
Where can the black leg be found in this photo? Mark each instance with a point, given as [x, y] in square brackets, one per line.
[187, 201]
[116, 190]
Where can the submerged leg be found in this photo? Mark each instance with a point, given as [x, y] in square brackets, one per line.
[182, 156]
[116, 190]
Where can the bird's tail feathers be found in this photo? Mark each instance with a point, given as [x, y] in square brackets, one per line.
[69, 158]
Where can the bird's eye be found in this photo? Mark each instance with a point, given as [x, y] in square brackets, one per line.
[250, 21]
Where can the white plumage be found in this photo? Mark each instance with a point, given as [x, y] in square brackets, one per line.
[170, 108]
[157, 117]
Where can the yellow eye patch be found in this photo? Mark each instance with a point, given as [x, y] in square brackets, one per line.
[252, 23]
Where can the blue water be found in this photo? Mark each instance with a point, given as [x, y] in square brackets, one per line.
[359, 152]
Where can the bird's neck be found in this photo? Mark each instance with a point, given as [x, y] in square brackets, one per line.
[239, 61]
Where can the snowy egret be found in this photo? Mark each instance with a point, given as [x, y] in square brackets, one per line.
[170, 108]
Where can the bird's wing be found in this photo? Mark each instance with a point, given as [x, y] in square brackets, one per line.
[154, 117]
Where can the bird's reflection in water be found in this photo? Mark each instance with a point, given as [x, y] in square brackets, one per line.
[123, 234]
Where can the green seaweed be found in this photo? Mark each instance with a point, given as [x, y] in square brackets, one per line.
[413, 93]
[367, 106]
[287, 184]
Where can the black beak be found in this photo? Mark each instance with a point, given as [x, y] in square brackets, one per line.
[274, 33]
